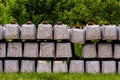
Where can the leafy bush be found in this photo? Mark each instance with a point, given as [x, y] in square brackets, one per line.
[69, 11]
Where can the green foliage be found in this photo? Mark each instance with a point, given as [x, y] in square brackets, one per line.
[94, 41]
[59, 40]
[109, 41]
[78, 49]
[9, 40]
[69, 11]
[23, 40]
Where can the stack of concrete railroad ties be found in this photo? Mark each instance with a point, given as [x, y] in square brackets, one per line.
[46, 48]
[28, 48]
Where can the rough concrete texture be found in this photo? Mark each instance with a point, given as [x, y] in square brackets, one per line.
[118, 29]
[30, 50]
[109, 32]
[1, 66]
[105, 50]
[76, 66]
[43, 66]
[14, 50]
[11, 31]
[11, 66]
[27, 66]
[92, 66]
[77, 36]
[93, 32]
[47, 50]
[61, 32]
[118, 67]
[69, 30]
[89, 51]
[2, 50]
[117, 51]
[28, 31]
[45, 31]
[108, 67]
[60, 66]
[63, 50]
[1, 32]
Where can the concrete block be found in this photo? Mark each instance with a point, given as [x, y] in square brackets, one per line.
[108, 67]
[30, 50]
[11, 31]
[118, 67]
[69, 30]
[76, 66]
[27, 66]
[2, 50]
[93, 32]
[117, 51]
[14, 50]
[105, 50]
[1, 66]
[89, 51]
[45, 31]
[59, 66]
[118, 29]
[61, 32]
[1, 32]
[11, 66]
[47, 50]
[63, 50]
[44, 66]
[92, 66]
[77, 36]
[28, 31]
[109, 32]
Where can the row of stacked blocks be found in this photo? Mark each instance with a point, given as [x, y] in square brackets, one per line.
[58, 50]
[26, 57]
[60, 31]
[34, 63]
[31, 50]
[75, 66]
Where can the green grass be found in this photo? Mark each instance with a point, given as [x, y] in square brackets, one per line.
[57, 76]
